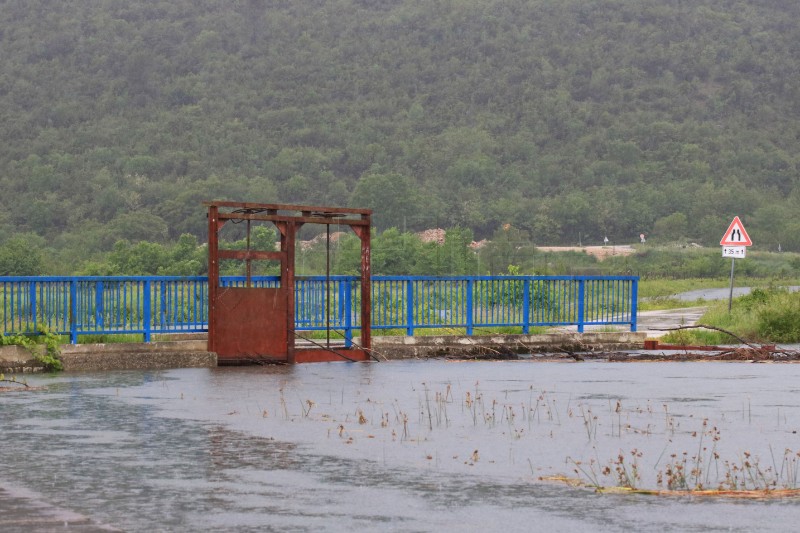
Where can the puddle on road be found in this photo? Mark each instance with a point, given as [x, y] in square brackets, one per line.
[411, 446]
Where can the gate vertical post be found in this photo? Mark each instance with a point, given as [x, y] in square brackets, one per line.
[366, 286]
[526, 306]
[410, 307]
[634, 302]
[581, 304]
[470, 318]
[213, 275]
[289, 290]
[73, 311]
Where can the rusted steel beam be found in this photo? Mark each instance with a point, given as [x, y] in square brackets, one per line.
[288, 277]
[287, 207]
[287, 218]
[213, 275]
[322, 355]
[364, 234]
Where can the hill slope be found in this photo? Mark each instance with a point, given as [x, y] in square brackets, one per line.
[568, 119]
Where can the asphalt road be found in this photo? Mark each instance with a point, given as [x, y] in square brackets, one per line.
[654, 323]
[718, 294]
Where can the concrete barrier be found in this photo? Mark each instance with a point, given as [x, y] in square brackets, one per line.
[128, 356]
[121, 356]
[425, 347]
[17, 360]
[193, 353]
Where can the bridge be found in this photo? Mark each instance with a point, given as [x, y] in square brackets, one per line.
[76, 306]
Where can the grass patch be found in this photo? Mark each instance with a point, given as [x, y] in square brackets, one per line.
[764, 316]
[698, 337]
[664, 303]
[109, 338]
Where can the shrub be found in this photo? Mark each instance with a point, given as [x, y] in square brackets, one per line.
[44, 348]
[778, 320]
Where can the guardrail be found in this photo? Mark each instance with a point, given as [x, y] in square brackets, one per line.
[147, 305]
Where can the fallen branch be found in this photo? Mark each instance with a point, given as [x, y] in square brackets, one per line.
[715, 328]
[730, 333]
[13, 380]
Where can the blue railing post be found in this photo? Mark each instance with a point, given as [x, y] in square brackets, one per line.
[162, 315]
[73, 311]
[581, 304]
[634, 302]
[468, 310]
[410, 307]
[98, 305]
[147, 312]
[526, 306]
[32, 305]
[347, 302]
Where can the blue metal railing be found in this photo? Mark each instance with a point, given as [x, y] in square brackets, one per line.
[148, 305]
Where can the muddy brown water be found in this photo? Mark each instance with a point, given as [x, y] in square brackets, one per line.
[406, 446]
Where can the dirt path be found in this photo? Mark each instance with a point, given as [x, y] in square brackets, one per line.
[600, 252]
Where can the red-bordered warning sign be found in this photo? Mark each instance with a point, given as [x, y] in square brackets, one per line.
[736, 235]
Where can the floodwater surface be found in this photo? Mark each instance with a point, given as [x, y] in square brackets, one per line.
[411, 446]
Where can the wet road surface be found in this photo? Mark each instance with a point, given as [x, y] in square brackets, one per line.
[657, 323]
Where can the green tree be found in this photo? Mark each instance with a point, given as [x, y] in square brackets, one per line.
[457, 258]
[394, 253]
[392, 197]
[672, 227]
[140, 259]
[22, 256]
[508, 246]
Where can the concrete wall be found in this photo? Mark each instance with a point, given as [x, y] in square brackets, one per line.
[128, 356]
[504, 345]
[17, 360]
[193, 353]
[122, 356]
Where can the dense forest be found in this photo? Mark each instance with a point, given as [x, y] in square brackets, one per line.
[570, 120]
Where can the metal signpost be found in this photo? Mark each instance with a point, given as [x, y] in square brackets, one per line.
[734, 245]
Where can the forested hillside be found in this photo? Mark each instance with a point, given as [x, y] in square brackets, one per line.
[568, 119]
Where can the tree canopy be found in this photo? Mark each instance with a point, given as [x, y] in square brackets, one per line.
[570, 120]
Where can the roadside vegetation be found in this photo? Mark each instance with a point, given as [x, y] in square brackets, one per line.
[655, 294]
[770, 315]
[43, 345]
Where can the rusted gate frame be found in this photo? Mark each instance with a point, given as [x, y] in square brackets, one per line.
[288, 225]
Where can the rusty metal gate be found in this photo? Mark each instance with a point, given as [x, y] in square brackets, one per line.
[257, 324]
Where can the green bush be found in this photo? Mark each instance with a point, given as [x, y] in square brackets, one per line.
[42, 343]
[778, 320]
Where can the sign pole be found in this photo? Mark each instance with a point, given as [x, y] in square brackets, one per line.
[730, 294]
[734, 244]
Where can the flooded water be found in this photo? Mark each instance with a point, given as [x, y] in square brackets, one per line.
[410, 446]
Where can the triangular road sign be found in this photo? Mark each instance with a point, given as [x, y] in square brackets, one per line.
[736, 235]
